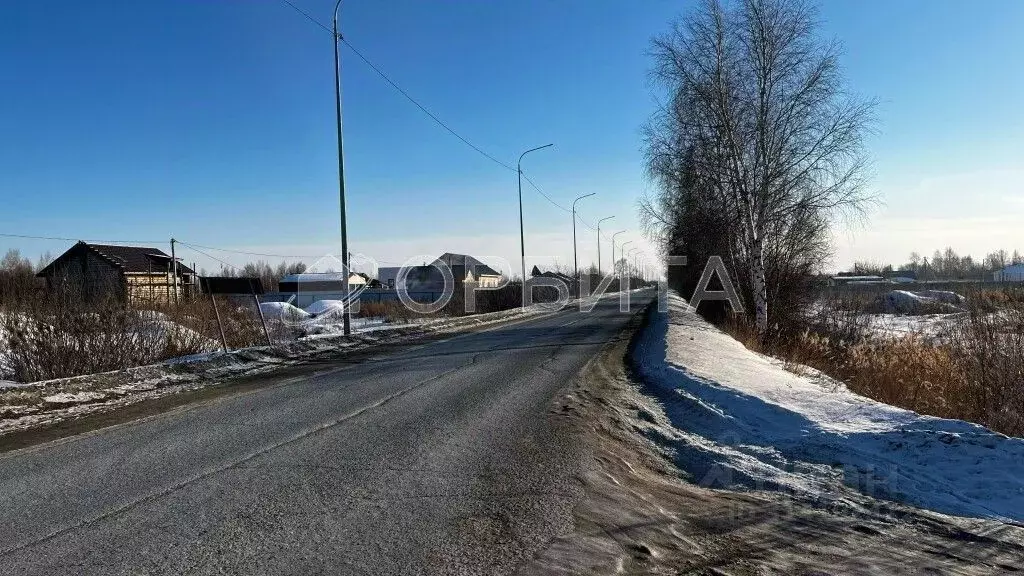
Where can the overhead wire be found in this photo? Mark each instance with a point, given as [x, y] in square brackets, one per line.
[31, 237]
[228, 264]
[430, 114]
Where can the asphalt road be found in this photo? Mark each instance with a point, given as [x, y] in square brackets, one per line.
[444, 458]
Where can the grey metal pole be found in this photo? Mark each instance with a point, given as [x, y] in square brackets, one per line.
[174, 269]
[622, 251]
[575, 263]
[630, 270]
[522, 237]
[346, 318]
[599, 243]
[613, 249]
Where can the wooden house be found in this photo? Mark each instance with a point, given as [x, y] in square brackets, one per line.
[132, 273]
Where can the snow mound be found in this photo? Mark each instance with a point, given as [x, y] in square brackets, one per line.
[283, 311]
[944, 296]
[326, 306]
[740, 419]
[904, 302]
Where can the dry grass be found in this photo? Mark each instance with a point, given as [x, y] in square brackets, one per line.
[56, 336]
[973, 371]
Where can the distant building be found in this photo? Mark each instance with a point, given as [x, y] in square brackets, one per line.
[842, 279]
[430, 277]
[1014, 273]
[133, 273]
[536, 273]
[310, 287]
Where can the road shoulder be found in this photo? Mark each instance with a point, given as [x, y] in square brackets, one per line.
[640, 515]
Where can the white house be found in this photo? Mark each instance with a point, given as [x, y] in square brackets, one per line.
[1014, 273]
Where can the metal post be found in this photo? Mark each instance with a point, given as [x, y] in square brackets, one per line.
[174, 270]
[522, 237]
[259, 309]
[599, 243]
[341, 169]
[622, 251]
[220, 325]
[613, 251]
[575, 263]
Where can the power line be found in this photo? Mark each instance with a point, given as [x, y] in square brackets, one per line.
[309, 17]
[208, 255]
[399, 89]
[423, 108]
[432, 116]
[30, 237]
[250, 253]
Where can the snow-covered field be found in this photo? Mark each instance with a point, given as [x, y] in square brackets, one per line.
[733, 418]
[927, 326]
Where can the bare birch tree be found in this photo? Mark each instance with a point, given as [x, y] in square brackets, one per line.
[758, 109]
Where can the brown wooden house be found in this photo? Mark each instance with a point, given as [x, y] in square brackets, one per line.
[133, 273]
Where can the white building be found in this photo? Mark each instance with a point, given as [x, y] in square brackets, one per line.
[1014, 273]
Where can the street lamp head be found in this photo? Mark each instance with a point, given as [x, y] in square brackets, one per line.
[581, 198]
[603, 219]
[532, 150]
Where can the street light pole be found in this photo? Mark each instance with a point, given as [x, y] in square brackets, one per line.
[630, 271]
[613, 249]
[599, 243]
[622, 251]
[522, 237]
[347, 321]
[575, 263]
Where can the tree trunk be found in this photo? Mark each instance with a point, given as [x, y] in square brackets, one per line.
[760, 286]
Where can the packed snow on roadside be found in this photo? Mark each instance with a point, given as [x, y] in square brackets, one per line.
[739, 419]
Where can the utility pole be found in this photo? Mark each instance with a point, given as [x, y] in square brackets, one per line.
[622, 253]
[575, 263]
[613, 249]
[630, 270]
[599, 243]
[347, 321]
[522, 237]
[174, 270]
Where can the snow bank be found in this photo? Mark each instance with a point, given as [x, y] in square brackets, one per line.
[740, 419]
[326, 306]
[282, 311]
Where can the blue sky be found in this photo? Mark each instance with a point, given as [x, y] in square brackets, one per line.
[212, 121]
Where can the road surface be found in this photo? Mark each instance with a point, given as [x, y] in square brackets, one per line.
[442, 459]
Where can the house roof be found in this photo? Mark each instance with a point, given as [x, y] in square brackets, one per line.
[550, 274]
[323, 277]
[477, 267]
[130, 259]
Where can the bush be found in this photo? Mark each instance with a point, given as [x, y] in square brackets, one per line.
[57, 336]
[973, 371]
